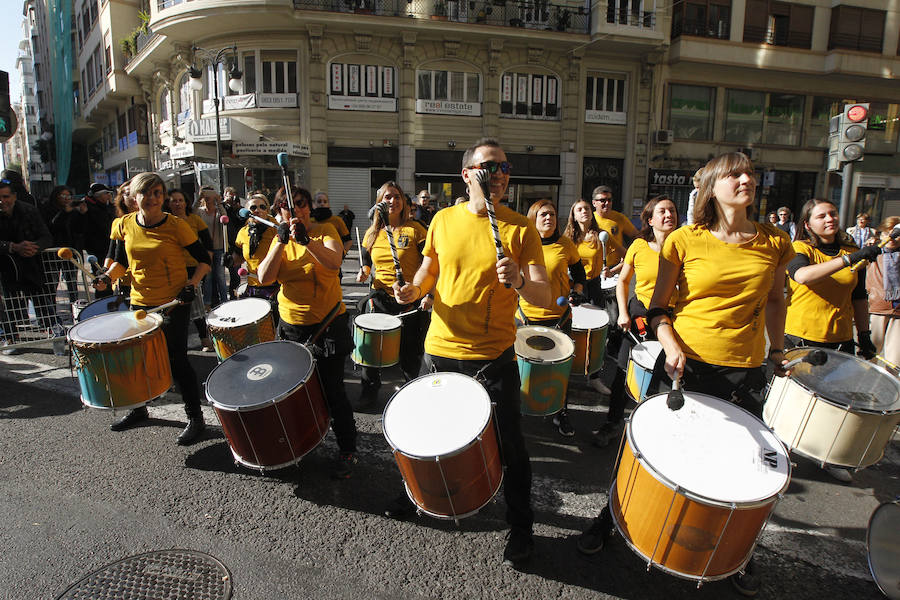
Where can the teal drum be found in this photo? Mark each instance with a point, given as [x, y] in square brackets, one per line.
[545, 361]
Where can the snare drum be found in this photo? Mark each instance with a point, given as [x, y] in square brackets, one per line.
[270, 403]
[694, 487]
[441, 429]
[545, 361]
[376, 340]
[640, 369]
[589, 325]
[841, 413]
[236, 324]
[121, 361]
[883, 548]
[100, 306]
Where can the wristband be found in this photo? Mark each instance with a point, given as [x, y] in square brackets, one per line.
[523, 282]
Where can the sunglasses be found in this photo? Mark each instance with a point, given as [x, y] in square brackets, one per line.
[258, 207]
[491, 167]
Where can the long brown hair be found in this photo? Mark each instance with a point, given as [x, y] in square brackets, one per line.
[705, 208]
[573, 229]
[377, 224]
[535, 208]
[647, 214]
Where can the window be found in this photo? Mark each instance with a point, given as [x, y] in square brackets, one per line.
[690, 111]
[763, 118]
[454, 86]
[778, 23]
[529, 96]
[702, 18]
[605, 99]
[855, 28]
[638, 13]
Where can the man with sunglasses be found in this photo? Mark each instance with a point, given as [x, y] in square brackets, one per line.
[472, 327]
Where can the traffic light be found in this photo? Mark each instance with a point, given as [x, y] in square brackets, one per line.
[7, 124]
[852, 140]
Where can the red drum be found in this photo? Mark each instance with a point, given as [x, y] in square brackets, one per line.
[270, 403]
[441, 428]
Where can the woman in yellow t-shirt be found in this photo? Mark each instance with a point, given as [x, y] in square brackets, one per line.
[659, 218]
[251, 246]
[304, 258]
[152, 243]
[178, 205]
[565, 271]
[409, 237]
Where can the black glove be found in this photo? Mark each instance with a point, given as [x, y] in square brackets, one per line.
[227, 260]
[866, 347]
[869, 253]
[104, 279]
[284, 233]
[187, 294]
[577, 298]
[301, 236]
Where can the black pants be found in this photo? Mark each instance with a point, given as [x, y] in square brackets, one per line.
[330, 352]
[500, 378]
[175, 327]
[412, 339]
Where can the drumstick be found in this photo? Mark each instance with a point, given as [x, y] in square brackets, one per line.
[895, 233]
[246, 214]
[676, 398]
[385, 217]
[141, 313]
[66, 254]
[816, 358]
[483, 178]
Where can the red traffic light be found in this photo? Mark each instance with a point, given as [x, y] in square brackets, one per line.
[857, 113]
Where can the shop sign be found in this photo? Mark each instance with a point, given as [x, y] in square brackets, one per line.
[374, 104]
[671, 177]
[604, 116]
[241, 148]
[444, 107]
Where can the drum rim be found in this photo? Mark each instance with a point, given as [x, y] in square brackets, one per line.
[391, 330]
[691, 495]
[539, 361]
[268, 313]
[157, 319]
[881, 506]
[432, 457]
[668, 570]
[837, 403]
[250, 408]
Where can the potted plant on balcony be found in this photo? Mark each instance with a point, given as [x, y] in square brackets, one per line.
[440, 10]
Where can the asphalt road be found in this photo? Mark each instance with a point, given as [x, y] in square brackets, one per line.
[77, 497]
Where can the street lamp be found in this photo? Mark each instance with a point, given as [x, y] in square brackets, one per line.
[214, 58]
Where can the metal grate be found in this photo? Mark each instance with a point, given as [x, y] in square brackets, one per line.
[163, 574]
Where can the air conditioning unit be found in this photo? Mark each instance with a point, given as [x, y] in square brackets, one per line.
[663, 136]
[751, 153]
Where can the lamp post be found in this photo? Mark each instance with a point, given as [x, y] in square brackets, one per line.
[214, 58]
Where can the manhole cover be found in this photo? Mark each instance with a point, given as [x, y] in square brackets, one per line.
[163, 574]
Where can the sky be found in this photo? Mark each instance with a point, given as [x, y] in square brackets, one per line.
[10, 35]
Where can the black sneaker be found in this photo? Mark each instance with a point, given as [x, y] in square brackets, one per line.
[746, 583]
[400, 508]
[133, 417]
[607, 432]
[593, 540]
[519, 546]
[561, 420]
[344, 467]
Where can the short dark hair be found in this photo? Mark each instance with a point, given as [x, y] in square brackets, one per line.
[470, 151]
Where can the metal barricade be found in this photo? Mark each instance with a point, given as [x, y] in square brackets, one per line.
[33, 315]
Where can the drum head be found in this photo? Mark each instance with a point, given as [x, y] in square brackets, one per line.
[259, 375]
[646, 354]
[710, 448]
[588, 316]
[436, 415]
[378, 322]
[236, 313]
[113, 327]
[847, 381]
[542, 344]
[883, 547]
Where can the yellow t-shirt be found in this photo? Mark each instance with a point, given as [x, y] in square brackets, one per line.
[198, 225]
[644, 260]
[722, 292]
[242, 243]
[617, 226]
[474, 314]
[155, 257]
[557, 258]
[308, 290]
[592, 257]
[407, 238]
[821, 311]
